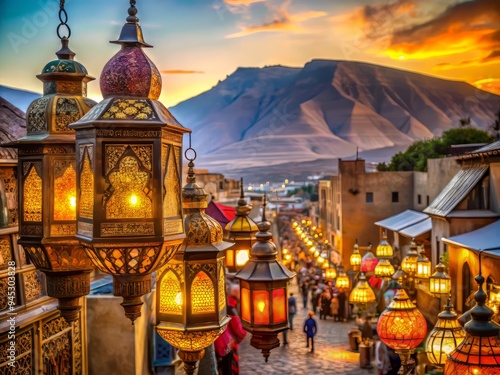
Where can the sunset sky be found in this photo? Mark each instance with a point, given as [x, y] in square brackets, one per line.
[199, 42]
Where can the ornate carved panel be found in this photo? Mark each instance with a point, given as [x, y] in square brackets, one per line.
[38, 256]
[171, 200]
[3, 294]
[33, 287]
[9, 178]
[31, 230]
[32, 207]
[24, 355]
[57, 347]
[130, 109]
[5, 251]
[171, 294]
[62, 230]
[202, 294]
[127, 229]
[67, 109]
[222, 285]
[64, 190]
[115, 152]
[85, 229]
[37, 116]
[128, 133]
[87, 182]
[172, 226]
[194, 268]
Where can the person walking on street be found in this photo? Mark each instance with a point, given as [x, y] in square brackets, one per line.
[304, 288]
[292, 309]
[334, 308]
[310, 329]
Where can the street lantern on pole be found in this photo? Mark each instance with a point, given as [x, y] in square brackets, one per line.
[47, 179]
[191, 295]
[264, 290]
[128, 173]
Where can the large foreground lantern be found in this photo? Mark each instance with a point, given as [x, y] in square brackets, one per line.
[47, 180]
[191, 295]
[263, 292]
[479, 352]
[402, 327]
[446, 335]
[128, 173]
[241, 230]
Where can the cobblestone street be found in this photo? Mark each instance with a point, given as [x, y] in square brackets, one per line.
[331, 350]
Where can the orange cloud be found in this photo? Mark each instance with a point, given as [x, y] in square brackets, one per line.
[489, 84]
[181, 71]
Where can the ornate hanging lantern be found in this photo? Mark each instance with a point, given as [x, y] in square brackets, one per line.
[402, 327]
[409, 263]
[362, 293]
[330, 272]
[191, 295]
[128, 173]
[355, 259]
[241, 230]
[384, 249]
[368, 262]
[384, 269]
[440, 281]
[343, 282]
[264, 291]
[446, 335]
[47, 179]
[479, 352]
[424, 265]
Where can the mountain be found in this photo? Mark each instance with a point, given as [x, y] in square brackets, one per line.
[12, 127]
[274, 117]
[20, 98]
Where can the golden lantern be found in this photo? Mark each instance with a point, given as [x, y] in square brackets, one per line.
[479, 352]
[384, 269]
[409, 263]
[384, 249]
[191, 295]
[402, 327]
[264, 290]
[423, 266]
[47, 180]
[241, 230]
[128, 173]
[446, 335]
[330, 272]
[440, 281]
[362, 293]
[343, 282]
[355, 259]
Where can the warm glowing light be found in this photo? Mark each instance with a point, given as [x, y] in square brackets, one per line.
[72, 202]
[242, 257]
[133, 200]
[178, 299]
[261, 306]
[250, 188]
[401, 57]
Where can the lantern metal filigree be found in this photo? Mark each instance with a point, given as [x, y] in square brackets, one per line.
[384, 249]
[479, 352]
[362, 293]
[47, 181]
[355, 259]
[343, 282]
[409, 263]
[446, 335]
[264, 291]
[241, 230]
[384, 269]
[128, 173]
[191, 296]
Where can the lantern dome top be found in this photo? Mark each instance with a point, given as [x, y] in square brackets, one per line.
[130, 72]
[242, 222]
[65, 62]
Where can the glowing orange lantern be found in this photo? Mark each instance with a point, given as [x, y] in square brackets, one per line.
[355, 260]
[384, 249]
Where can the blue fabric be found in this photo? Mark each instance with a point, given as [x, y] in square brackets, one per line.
[310, 327]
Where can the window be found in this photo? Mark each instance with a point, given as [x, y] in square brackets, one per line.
[395, 197]
[427, 200]
[419, 199]
[369, 197]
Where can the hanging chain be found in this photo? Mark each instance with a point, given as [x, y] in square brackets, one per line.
[63, 18]
[190, 149]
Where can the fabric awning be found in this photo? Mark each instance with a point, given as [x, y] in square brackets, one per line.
[402, 220]
[418, 229]
[486, 238]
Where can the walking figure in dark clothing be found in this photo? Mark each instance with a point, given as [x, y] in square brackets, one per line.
[310, 329]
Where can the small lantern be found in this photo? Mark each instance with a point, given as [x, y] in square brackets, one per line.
[47, 181]
[241, 230]
[384, 249]
[439, 282]
[342, 281]
[423, 266]
[479, 352]
[402, 327]
[362, 293]
[368, 262]
[330, 273]
[128, 173]
[191, 295]
[409, 263]
[384, 269]
[355, 260]
[446, 335]
[264, 292]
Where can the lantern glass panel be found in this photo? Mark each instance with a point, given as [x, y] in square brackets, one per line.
[245, 304]
[129, 181]
[439, 286]
[401, 329]
[355, 260]
[65, 193]
[32, 196]
[171, 295]
[261, 306]
[171, 200]
[279, 305]
[423, 269]
[242, 257]
[229, 258]
[202, 294]
[86, 209]
[409, 265]
[222, 289]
